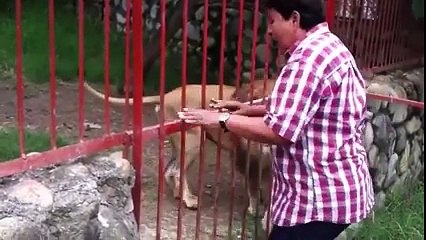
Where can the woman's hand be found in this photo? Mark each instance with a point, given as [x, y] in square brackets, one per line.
[204, 117]
[233, 106]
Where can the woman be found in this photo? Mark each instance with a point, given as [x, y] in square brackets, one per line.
[314, 120]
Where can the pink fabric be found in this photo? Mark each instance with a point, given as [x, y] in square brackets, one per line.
[319, 103]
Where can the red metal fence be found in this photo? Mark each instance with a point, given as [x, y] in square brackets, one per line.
[375, 28]
[382, 34]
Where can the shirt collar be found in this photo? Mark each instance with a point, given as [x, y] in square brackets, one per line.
[318, 29]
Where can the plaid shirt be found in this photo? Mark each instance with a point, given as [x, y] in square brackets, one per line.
[318, 103]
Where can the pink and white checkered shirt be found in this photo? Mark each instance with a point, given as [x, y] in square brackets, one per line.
[319, 103]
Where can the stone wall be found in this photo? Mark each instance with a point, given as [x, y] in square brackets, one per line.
[394, 137]
[88, 199]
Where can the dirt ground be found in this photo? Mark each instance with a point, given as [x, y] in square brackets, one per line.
[37, 116]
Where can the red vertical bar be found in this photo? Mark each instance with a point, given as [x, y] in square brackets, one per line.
[398, 57]
[396, 34]
[362, 35]
[330, 13]
[127, 76]
[374, 25]
[137, 104]
[237, 85]
[218, 147]
[379, 33]
[337, 28]
[161, 129]
[80, 70]
[203, 103]
[266, 67]
[106, 65]
[389, 31]
[393, 29]
[52, 56]
[349, 21]
[265, 87]
[240, 43]
[252, 76]
[355, 28]
[183, 101]
[385, 31]
[19, 80]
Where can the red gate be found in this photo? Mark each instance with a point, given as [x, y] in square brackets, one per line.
[136, 136]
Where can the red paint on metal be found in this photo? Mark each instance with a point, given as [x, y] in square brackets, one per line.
[80, 70]
[374, 26]
[161, 164]
[54, 156]
[240, 43]
[127, 76]
[265, 93]
[398, 64]
[94, 145]
[218, 147]
[393, 26]
[348, 21]
[52, 56]
[183, 101]
[388, 33]
[107, 11]
[60, 155]
[378, 54]
[403, 101]
[19, 80]
[237, 85]
[331, 13]
[398, 42]
[203, 133]
[252, 79]
[137, 106]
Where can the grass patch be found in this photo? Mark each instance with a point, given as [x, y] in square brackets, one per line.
[36, 44]
[34, 142]
[401, 218]
[36, 48]
[250, 229]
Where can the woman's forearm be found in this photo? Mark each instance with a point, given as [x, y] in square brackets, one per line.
[255, 111]
[254, 128]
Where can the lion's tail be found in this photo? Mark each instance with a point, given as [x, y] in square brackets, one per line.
[146, 99]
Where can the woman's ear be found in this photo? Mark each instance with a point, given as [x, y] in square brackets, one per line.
[295, 17]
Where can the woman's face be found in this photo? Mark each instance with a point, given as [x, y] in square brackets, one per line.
[281, 30]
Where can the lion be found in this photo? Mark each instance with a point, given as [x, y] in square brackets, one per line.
[260, 160]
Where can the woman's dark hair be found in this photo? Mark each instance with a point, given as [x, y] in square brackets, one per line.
[311, 11]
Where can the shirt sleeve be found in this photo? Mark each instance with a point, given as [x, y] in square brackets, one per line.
[294, 100]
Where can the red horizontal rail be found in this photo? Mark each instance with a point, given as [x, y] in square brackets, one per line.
[56, 156]
[391, 99]
[62, 154]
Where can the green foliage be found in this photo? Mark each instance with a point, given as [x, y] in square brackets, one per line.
[36, 44]
[34, 142]
[401, 218]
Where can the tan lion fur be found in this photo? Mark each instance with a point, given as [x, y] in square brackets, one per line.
[260, 161]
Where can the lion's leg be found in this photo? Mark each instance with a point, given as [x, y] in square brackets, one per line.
[172, 167]
[253, 182]
[191, 149]
[253, 192]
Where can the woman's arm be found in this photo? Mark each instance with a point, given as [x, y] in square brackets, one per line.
[252, 111]
[255, 129]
